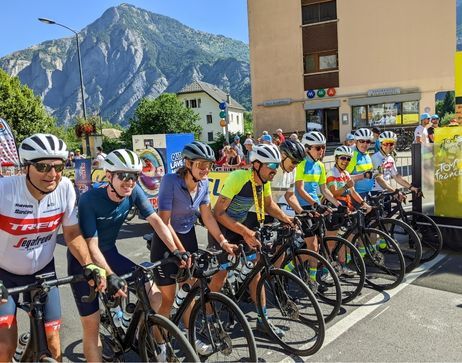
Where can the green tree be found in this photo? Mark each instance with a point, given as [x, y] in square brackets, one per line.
[248, 122]
[448, 104]
[22, 109]
[162, 115]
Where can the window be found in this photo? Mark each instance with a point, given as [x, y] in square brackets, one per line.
[187, 103]
[316, 13]
[198, 103]
[209, 119]
[319, 62]
[237, 119]
[193, 103]
[386, 114]
[210, 136]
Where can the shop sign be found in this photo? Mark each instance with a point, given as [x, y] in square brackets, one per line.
[383, 92]
[321, 93]
[331, 92]
[310, 93]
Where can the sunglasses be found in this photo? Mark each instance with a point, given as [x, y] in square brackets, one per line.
[388, 143]
[272, 166]
[364, 141]
[345, 158]
[204, 165]
[319, 147]
[293, 162]
[46, 168]
[127, 176]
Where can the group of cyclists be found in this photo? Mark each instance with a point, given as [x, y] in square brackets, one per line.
[36, 204]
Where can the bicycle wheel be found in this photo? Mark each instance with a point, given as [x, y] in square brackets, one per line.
[325, 285]
[226, 330]
[293, 317]
[178, 348]
[347, 263]
[405, 236]
[131, 213]
[428, 232]
[384, 266]
[112, 349]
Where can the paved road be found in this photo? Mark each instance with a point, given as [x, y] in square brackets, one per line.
[421, 320]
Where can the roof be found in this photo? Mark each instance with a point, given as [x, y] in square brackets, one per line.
[213, 91]
[112, 133]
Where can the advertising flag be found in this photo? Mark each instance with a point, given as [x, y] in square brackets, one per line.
[8, 152]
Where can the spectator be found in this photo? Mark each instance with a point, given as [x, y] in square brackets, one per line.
[232, 157]
[281, 136]
[431, 130]
[70, 160]
[237, 146]
[294, 137]
[266, 139]
[349, 140]
[100, 156]
[77, 155]
[248, 144]
[421, 131]
[265, 133]
[376, 132]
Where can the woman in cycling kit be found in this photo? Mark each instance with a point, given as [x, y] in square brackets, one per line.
[181, 196]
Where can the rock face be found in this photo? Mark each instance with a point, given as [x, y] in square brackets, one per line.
[127, 54]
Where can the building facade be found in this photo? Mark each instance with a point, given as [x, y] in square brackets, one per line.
[337, 65]
[204, 99]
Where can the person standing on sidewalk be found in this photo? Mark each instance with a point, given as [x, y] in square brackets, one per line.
[421, 131]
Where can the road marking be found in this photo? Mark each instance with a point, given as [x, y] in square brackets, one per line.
[362, 312]
[388, 307]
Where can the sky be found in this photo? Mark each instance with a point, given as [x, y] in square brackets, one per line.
[20, 28]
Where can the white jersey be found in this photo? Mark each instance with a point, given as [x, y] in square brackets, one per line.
[28, 227]
[421, 132]
[386, 166]
[281, 183]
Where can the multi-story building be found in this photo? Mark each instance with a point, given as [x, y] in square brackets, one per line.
[344, 64]
[204, 98]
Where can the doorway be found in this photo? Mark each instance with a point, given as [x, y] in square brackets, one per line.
[325, 120]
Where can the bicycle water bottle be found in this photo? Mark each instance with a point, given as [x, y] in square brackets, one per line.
[127, 315]
[22, 342]
[245, 270]
[117, 315]
[180, 295]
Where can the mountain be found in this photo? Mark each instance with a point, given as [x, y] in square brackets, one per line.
[127, 54]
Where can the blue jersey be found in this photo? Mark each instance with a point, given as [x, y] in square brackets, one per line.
[101, 217]
[175, 197]
[359, 164]
[313, 174]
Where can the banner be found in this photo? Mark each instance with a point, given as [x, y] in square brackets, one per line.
[8, 152]
[458, 62]
[216, 180]
[448, 171]
[82, 175]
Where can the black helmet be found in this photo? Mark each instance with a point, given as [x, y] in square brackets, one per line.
[293, 149]
[198, 150]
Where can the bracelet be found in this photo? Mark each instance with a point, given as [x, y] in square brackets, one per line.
[223, 242]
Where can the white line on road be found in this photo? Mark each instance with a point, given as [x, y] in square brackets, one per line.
[377, 301]
[388, 307]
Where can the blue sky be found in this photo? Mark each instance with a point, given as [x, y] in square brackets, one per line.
[20, 28]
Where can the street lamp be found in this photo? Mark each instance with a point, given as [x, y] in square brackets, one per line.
[82, 90]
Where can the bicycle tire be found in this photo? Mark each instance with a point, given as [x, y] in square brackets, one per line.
[329, 300]
[351, 285]
[131, 213]
[180, 345]
[379, 275]
[428, 232]
[226, 339]
[407, 239]
[277, 289]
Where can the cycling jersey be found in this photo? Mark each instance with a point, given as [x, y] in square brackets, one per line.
[386, 166]
[101, 217]
[339, 179]
[28, 227]
[281, 183]
[359, 164]
[313, 174]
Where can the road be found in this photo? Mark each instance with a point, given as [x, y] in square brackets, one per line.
[421, 320]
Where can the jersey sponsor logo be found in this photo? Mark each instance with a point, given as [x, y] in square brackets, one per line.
[19, 211]
[20, 227]
[32, 243]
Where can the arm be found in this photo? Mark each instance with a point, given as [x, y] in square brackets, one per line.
[273, 210]
[384, 184]
[76, 244]
[292, 200]
[301, 191]
[165, 217]
[212, 226]
[328, 195]
[162, 231]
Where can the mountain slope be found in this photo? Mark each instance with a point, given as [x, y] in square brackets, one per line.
[127, 54]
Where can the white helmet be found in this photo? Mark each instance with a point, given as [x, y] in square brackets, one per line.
[42, 146]
[387, 136]
[363, 134]
[313, 138]
[265, 153]
[343, 151]
[123, 160]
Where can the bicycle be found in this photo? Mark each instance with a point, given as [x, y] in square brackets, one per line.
[291, 306]
[36, 349]
[117, 341]
[215, 319]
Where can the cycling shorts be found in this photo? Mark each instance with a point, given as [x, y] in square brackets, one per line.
[159, 251]
[52, 308]
[118, 263]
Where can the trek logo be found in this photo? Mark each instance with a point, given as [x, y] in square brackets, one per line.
[30, 244]
[20, 227]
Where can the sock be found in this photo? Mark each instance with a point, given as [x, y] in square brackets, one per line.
[313, 272]
[348, 258]
[289, 267]
[264, 313]
[163, 347]
[362, 251]
[381, 243]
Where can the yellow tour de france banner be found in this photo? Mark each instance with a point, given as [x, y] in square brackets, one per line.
[448, 171]
[217, 180]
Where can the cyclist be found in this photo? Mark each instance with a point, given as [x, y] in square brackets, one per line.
[242, 190]
[33, 207]
[182, 196]
[102, 212]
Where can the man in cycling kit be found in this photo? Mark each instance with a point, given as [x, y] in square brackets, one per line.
[101, 214]
[242, 190]
[32, 208]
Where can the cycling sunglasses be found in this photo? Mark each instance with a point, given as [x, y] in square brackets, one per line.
[388, 143]
[272, 166]
[122, 176]
[319, 147]
[364, 141]
[204, 165]
[293, 162]
[345, 158]
[46, 168]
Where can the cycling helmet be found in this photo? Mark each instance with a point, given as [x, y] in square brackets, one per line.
[42, 146]
[198, 150]
[265, 153]
[293, 149]
[363, 134]
[387, 136]
[313, 138]
[343, 150]
[123, 160]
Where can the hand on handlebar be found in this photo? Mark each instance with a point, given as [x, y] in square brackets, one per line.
[323, 209]
[3, 293]
[250, 237]
[229, 248]
[95, 275]
[184, 258]
[116, 286]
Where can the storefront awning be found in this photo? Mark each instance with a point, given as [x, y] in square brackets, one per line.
[316, 105]
[363, 101]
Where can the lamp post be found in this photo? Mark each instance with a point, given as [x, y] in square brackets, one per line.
[82, 89]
